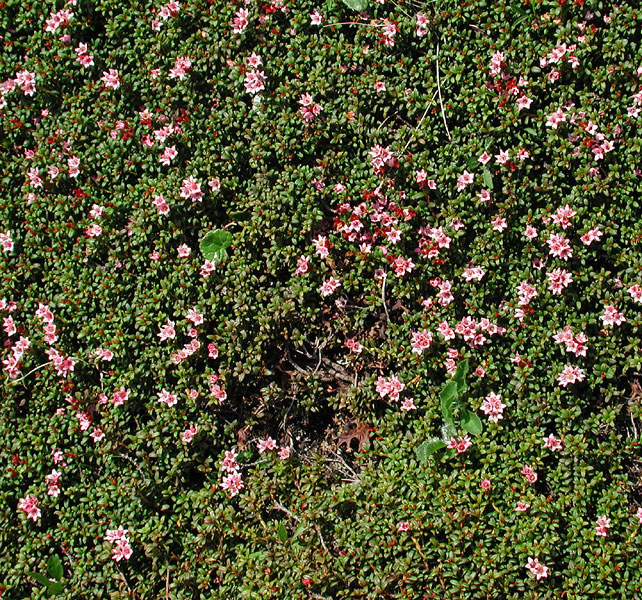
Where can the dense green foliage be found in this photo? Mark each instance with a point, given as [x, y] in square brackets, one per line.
[244, 248]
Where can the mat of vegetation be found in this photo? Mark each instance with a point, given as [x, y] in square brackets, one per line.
[321, 299]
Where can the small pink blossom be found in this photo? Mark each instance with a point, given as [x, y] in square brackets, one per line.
[111, 79]
[189, 433]
[552, 443]
[29, 505]
[536, 568]
[266, 444]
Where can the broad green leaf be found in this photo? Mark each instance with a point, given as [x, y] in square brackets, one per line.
[448, 398]
[282, 533]
[55, 588]
[299, 530]
[425, 449]
[214, 243]
[488, 179]
[471, 422]
[39, 578]
[54, 568]
[357, 5]
[460, 376]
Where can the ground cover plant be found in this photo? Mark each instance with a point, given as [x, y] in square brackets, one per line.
[320, 299]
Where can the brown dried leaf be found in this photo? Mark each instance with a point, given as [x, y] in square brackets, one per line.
[356, 430]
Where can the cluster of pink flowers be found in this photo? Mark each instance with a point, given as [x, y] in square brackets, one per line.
[167, 398]
[182, 65]
[329, 286]
[493, 407]
[422, 24]
[111, 79]
[529, 474]
[552, 443]
[354, 345]
[309, 109]
[421, 340]
[120, 396]
[5, 241]
[166, 11]
[59, 19]
[240, 22]
[191, 189]
[122, 548]
[29, 505]
[460, 444]
[167, 331]
[558, 280]
[612, 316]
[380, 157]
[216, 390]
[82, 56]
[185, 352]
[232, 481]
[62, 364]
[12, 363]
[602, 526]
[389, 30]
[574, 343]
[26, 81]
[390, 386]
[188, 435]
[254, 81]
[570, 375]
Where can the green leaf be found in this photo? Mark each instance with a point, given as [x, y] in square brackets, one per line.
[39, 578]
[282, 533]
[471, 422]
[55, 588]
[425, 449]
[54, 568]
[488, 178]
[299, 530]
[357, 5]
[448, 398]
[460, 376]
[214, 243]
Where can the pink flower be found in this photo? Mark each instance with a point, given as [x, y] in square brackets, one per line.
[408, 404]
[484, 158]
[530, 232]
[522, 507]
[403, 526]
[303, 266]
[191, 189]
[559, 279]
[233, 483]
[29, 505]
[485, 484]
[570, 375]
[329, 287]
[638, 515]
[254, 81]
[602, 526]
[111, 79]
[167, 331]
[189, 433]
[266, 444]
[6, 242]
[166, 398]
[212, 351]
[97, 434]
[316, 18]
[461, 445]
[493, 407]
[464, 179]
[169, 154]
[284, 452]
[421, 340]
[559, 246]
[240, 22]
[184, 251]
[536, 568]
[121, 550]
[120, 396]
[612, 316]
[636, 292]
[552, 443]
[529, 474]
